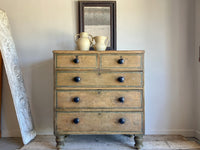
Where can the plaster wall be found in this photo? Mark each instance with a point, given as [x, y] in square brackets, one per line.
[164, 28]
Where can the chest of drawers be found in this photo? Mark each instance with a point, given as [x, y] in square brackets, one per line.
[98, 93]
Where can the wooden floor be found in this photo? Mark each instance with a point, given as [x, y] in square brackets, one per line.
[10, 143]
[114, 142]
[108, 142]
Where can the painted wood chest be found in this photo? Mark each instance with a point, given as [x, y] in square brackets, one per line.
[98, 93]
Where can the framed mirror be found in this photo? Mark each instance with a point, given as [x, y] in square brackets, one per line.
[99, 19]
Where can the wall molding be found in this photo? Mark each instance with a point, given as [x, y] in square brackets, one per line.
[197, 134]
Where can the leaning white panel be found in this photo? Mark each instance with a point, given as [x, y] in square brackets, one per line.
[15, 80]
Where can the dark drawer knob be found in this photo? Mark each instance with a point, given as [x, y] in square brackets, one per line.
[76, 99]
[122, 120]
[121, 79]
[121, 99]
[77, 79]
[121, 61]
[76, 120]
[76, 60]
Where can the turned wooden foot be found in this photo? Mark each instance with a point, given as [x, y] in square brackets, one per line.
[138, 141]
[60, 140]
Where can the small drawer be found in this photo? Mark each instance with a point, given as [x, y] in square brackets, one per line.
[104, 99]
[99, 121]
[80, 61]
[95, 79]
[123, 61]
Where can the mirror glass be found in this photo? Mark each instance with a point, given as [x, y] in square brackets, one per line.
[97, 21]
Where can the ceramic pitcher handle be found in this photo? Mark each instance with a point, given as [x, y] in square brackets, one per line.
[75, 37]
[91, 39]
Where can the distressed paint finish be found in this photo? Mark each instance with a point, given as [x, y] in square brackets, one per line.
[98, 79]
[85, 61]
[15, 80]
[99, 121]
[99, 109]
[131, 61]
[99, 99]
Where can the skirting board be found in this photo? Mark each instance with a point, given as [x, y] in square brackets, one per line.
[197, 134]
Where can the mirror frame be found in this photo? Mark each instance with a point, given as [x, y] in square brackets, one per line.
[112, 5]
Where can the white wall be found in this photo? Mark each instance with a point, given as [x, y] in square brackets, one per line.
[197, 65]
[164, 28]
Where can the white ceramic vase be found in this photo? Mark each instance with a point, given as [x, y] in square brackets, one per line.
[101, 43]
[84, 41]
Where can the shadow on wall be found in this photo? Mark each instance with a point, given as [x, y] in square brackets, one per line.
[42, 96]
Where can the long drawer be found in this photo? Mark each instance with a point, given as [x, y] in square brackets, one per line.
[96, 79]
[99, 99]
[99, 121]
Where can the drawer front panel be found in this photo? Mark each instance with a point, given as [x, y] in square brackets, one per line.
[94, 79]
[99, 99]
[86, 61]
[99, 121]
[129, 61]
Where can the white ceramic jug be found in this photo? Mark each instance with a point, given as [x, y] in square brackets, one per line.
[84, 42]
[101, 43]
